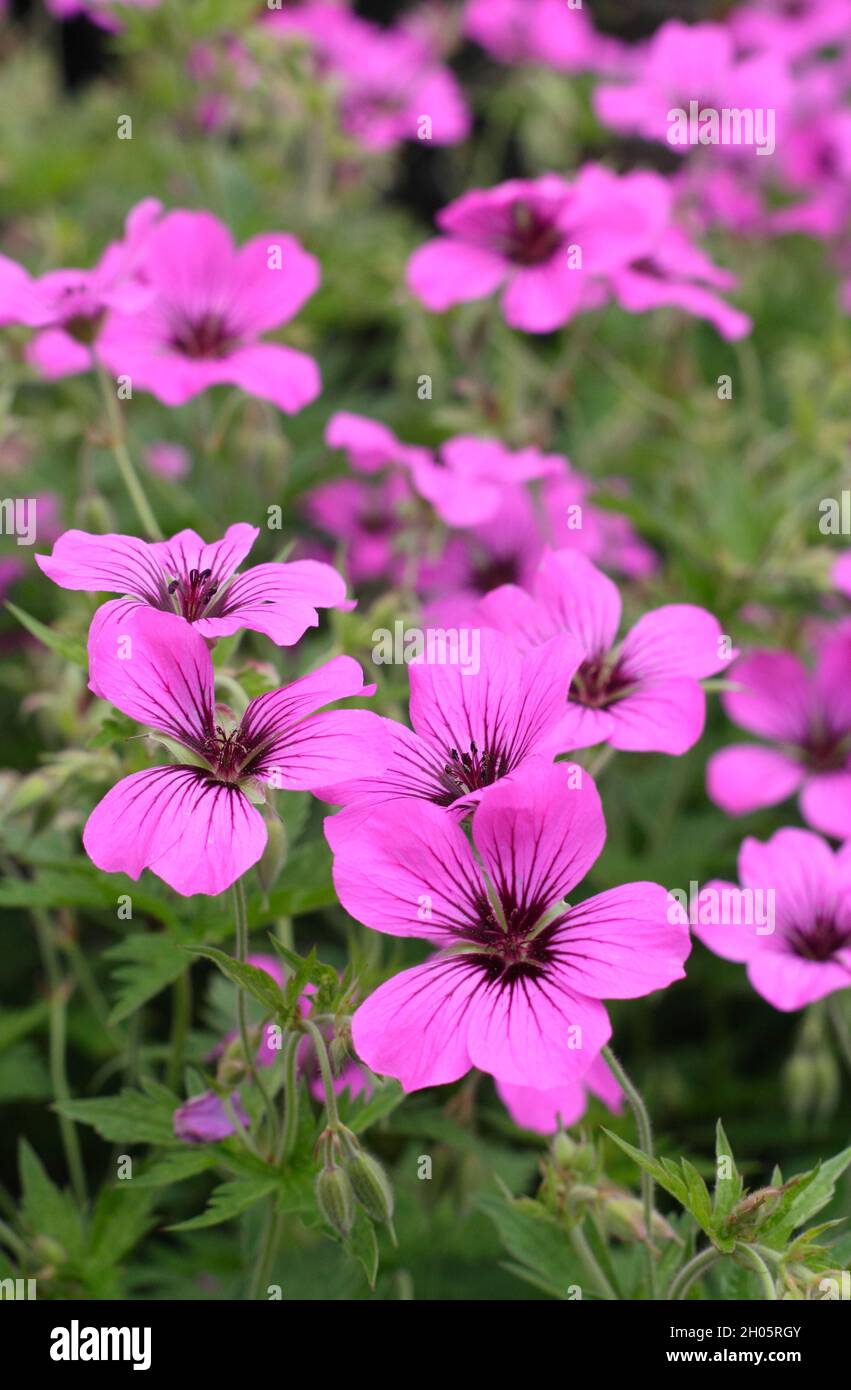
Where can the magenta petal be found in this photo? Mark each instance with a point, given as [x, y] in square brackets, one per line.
[410, 875]
[446, 272]
[789, 982]
[538, 834]
[736, 940]
[105, 564]
[414, 1026]
[155, 668]
[279, 600]
[535, 1031]
[187, 551]
[620, 944]
[197, 834]
[543, 1111]
[677, 640]
[266, 295]
[580, 599]
[660, 716]
[204, 1120]
[746, 777]
[282, 375]
[775, 699]
[325, 748]
[826, 803]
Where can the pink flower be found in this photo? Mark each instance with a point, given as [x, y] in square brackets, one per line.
[682, 63]
[472, 726]
[544, 1111]
[808, 954]
[807, 715]
[192, 823]
[168, 460]
[793, 28]
[516, 986]
[466, 479]
[367, 517]
[544, 32]
[518, 237]
[641, 694]
[678, 274]
[198, 581]
[203, 1119]
[209, 306]
[389, 79]
[68, 306]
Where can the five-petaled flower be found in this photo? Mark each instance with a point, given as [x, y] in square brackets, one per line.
[808, 954]
[641, 695]
[197, 581]
[516, 987]
[193, 824]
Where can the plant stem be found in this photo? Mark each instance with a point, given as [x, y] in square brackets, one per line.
[590, 1263]
[241, 916]
[268, 1250]
[645, 1143]
[840, 1028]
[327, 1074]
[290, 1127]
[181, 1012]
[697, 1265]
[125, 463]
[58, 1073]
[765, 1276]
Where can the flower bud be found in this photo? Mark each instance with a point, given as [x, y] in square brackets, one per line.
[371, 1186]
[335, 1199]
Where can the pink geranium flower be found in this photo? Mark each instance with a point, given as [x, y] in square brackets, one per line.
[68, 306]
[543, 32]
[807, 717]
[193, 824]
[198, 581]
[472, 726]
[518, 237]
[210, 305]
[641, 694]
[389, 78]
[677, 273]
[366, 516]
[793, 28]
[544, 1111]
[808, 954]
[466, 479]
[516, 987]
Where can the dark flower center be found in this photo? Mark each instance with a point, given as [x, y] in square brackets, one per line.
[598, 683]
[504, 570]
[513, 953]
[83, 328]
[533, 239]
[226, 752]
[819, 940]
[194, 592]
[469, 772]
[207, 336]
[825, 751]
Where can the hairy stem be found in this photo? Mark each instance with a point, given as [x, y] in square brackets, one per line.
[645, 1143]
[140, 502]
[696, 1266]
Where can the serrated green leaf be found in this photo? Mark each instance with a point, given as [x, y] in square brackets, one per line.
[176, 1166]
[728, 1189]
[254, 981]
[362, 1244]
[382, 1102]
[536, 1240]
[699, 1203]
[122, 1216]
[805, 1194]
[146, 964]
[229, 1200]
[47, 1210]
[131, 1117]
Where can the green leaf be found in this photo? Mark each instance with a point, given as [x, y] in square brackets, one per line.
[803, 1196]
[228, 1200]
[362, 1244]
[46, 1209]
[728, 1189]
[146, 965]
[255, 982]
[662, 1171]
[122, 1216]
[698, 1195]
[17, 1023]
[536, 1240]
[176, 1166]
[131, 1117]
[69, 648]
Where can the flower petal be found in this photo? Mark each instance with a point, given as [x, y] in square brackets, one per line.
[106, 564]
[746, 777]
[621, 944]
